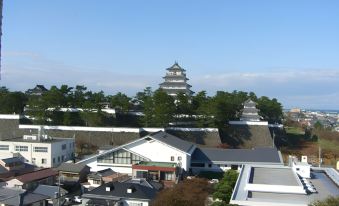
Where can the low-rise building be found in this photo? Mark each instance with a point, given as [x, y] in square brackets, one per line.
[19, 197]
[127, 193]
[39, 150]
[73, 173]
[95, 179]
[268, 185]
[31, 180]
[164, 157]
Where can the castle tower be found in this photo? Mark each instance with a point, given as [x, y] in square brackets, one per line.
[250, 112]
[176, 81]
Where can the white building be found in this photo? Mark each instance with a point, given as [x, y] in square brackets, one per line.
[41, 151]
[161, 154]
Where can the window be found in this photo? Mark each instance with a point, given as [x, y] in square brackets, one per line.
[209, 165]
[169, 176]
[172, 158]
[179, 158]
[59, 159]
[97, 182]
[134, 204]
[63, 147]
[33, 160]
[53, 160]
[43, 161]
[297, 169]
[21, 148]
[40, 149]
[62, 158]
[4, 147]
[120, 157]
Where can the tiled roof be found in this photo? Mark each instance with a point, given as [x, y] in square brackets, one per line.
[119, 190]
[37, 175]
[71, 167]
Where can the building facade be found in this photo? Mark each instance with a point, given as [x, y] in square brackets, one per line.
[176, 81]
[41, 152]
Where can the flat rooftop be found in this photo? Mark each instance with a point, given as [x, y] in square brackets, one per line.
[273, 176]
[279, 176]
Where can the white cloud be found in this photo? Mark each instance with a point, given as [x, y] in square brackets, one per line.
[316, 88]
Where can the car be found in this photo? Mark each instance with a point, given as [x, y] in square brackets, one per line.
[77, 199]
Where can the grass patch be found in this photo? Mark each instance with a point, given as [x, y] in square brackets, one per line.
[294, 130]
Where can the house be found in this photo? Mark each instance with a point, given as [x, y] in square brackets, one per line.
[39, 150]
[127, 193]
[12, 167]
[156, 147]
[55, 194]
[162, 157]
[19, 197]
[73, 173]
[269, 185]
[95, 179]
[32, 179]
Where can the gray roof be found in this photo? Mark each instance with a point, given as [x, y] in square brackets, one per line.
[176, 66]
[102, 173]
[11, 160]
[249, 103]
[119, 190]
[71, 167]
[172, 141]
[49, 190]
[16, 197]
[257, 155]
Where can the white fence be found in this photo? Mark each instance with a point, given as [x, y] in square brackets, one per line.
[116, 129]
[10, 116]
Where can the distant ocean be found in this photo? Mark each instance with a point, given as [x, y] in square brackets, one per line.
[319, 110]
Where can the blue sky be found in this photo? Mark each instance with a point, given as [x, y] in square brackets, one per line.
[283, 49]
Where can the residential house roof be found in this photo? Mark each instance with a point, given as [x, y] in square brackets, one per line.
[119, 190]
[256, 155]
[71, 167]
[49, 190]
[11, 160]
[18, 197]
[36, 175]
[102, 173]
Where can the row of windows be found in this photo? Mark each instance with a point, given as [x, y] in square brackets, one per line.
[40, 149]
[4, 147]
[120, 157]
[19, 148]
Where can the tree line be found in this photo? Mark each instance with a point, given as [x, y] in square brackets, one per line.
[158, 108]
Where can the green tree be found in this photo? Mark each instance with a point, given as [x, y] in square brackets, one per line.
[164, 108]
[146, 102]
[183, 105]
[330, 201]
[224, 189]
[11, 102]
[121, 101]
[79, 96]
[270, 110]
